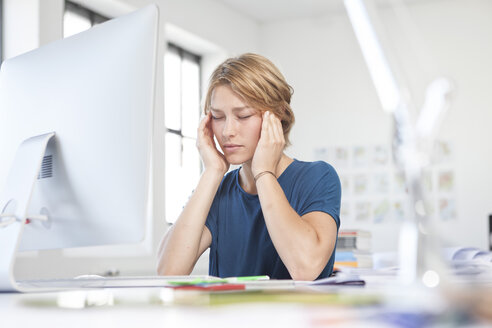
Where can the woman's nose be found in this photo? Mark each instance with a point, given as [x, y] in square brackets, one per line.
[229, 129]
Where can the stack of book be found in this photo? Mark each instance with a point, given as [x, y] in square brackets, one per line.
[353, 249]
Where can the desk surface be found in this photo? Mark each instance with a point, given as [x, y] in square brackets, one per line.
[279, 306]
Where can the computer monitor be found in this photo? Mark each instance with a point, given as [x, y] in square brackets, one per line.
[95, 91]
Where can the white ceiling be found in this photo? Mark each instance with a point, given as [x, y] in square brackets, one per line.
[275, 10]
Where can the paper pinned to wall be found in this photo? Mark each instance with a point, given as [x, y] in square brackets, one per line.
[374, 190]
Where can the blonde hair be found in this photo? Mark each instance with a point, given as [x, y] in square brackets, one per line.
[259, 83]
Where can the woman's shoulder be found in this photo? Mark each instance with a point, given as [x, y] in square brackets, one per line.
[315, 167]
[317, 175]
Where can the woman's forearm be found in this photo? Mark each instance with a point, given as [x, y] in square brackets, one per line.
[179, 249]
[296, 241]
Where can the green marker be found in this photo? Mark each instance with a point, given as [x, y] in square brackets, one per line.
[247, 278]
[197, 282]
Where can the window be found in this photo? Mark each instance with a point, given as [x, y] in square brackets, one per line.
[77, 19]
[181, 115]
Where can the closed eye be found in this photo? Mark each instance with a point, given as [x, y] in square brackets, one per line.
[244, 117]
[216, 118]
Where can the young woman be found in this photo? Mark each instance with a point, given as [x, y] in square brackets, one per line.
[274, 215]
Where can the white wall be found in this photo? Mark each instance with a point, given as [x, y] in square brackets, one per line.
[21, 17]
[335, 102]
[29, 24]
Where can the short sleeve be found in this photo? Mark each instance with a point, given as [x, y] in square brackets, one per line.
[321, 191]
[213, 213]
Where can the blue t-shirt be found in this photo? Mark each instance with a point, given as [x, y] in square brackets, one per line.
[241, 245]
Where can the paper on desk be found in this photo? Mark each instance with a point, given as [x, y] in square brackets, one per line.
[363, 272]
[339, 279]
[216, 280]
[112, 282]
[467, 253]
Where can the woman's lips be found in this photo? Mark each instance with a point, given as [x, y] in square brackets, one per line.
[232, 148]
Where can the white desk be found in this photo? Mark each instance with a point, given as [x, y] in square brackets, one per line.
[164, 307]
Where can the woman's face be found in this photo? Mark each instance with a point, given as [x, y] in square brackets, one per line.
[236, 126]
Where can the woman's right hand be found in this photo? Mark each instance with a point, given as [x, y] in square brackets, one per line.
[211, 157]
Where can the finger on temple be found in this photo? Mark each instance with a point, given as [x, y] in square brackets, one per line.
[265, 127]
[277, 125]
[265, 119]
[280, 131]
[204, 119]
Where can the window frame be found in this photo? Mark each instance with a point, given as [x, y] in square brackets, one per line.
[183, 54]
[94, 17]
[198, 60]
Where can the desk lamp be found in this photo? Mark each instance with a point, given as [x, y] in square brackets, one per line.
[413, 141]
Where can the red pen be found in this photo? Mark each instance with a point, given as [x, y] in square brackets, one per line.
[213, 287]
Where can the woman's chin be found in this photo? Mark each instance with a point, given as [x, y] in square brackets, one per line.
[236, 160]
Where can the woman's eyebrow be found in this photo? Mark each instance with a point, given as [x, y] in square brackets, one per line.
[234, 109]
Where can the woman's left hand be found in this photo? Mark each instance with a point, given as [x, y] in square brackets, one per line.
[270, 146]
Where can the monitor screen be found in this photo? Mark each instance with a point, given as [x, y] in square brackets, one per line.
[95, 91]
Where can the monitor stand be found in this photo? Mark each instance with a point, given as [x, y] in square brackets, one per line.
[14, 201]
